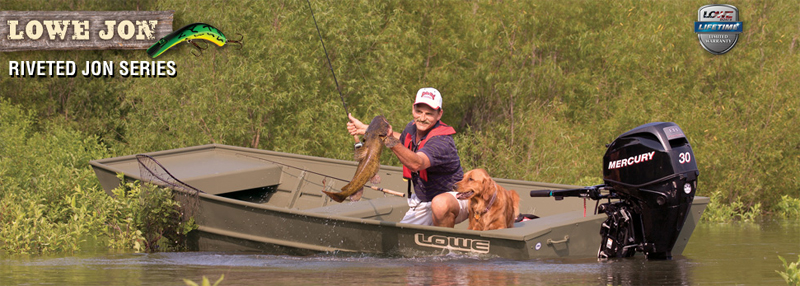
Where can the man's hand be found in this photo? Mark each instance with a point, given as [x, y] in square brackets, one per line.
[356, 127]
[391, 141]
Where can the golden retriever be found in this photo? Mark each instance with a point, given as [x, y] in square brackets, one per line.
[490, 205]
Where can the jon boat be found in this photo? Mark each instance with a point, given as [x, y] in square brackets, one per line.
[259, 200]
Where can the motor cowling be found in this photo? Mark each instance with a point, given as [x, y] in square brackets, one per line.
[653, 171]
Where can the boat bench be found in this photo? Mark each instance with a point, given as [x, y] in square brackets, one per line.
[227, 182]
[385, 209]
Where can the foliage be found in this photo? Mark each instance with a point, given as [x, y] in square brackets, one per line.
[50, 200]
[535, 90]
[145, 217]
[791, 271]
[719, 211]
[205, 281]
[788, 207]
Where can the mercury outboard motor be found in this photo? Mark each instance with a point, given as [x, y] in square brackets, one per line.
[651, 173]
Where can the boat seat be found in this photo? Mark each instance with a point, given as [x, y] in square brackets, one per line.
[214, 182]
[386, 209]
[295, 192]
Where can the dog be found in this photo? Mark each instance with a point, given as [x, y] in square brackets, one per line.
[490, 205]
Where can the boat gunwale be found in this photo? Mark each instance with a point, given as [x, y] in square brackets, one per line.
[103, 163]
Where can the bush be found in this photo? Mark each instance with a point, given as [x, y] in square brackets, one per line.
[50, 199]
[788, 207]
[144, 217]
[791, 271]
[718, 211]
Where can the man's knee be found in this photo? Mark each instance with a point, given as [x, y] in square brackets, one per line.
[444, 203]
[445, 210]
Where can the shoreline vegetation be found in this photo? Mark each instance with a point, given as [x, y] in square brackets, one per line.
[535, 89]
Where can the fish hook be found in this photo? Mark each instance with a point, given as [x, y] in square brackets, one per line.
[198, 48]
[239, 41]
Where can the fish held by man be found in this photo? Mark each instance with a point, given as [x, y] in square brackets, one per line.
[368, 157]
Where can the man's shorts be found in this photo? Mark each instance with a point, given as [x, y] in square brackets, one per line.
[421, 213]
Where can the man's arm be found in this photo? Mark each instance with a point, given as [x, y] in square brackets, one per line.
[413, 161]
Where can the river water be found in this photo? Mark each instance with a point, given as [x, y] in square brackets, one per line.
[723, 254]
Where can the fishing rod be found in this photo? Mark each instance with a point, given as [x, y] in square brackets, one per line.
[387, 191]
[358, 143]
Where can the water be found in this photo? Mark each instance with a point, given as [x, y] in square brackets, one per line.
[725, 254]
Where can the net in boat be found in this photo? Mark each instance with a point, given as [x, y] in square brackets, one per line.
[151, 171]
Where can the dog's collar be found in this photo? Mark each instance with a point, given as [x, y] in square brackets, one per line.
[491, 202]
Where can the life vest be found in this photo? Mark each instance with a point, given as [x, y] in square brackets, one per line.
[439, 129]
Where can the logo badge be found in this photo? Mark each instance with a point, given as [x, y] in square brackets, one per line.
[718, 27]
[454, 243]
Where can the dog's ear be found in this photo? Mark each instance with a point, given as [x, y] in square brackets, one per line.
[486, 183]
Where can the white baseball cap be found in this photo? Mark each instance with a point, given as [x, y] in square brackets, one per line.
[429, 96]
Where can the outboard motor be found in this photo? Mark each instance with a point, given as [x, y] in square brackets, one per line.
[652, 172]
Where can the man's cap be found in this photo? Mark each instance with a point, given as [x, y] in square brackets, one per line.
[429, 96]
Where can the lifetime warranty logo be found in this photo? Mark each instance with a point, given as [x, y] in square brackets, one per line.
[718, 27]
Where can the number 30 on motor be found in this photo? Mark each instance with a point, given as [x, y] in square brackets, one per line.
[685, 157]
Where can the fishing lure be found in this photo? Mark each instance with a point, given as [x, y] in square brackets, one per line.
[189, 33]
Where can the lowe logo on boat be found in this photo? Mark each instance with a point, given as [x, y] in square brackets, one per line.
[631, 160]
[454, 243]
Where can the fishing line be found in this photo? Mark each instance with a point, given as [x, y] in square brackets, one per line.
[358, 143]
[328, 58]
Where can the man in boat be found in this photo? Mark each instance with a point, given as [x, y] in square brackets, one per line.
[430, 162]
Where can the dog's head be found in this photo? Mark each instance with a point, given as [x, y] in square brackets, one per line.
[473, 183]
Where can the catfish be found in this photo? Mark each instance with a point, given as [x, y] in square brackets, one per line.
[368, 157]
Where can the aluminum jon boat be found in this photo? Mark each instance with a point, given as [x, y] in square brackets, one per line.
[258, 200]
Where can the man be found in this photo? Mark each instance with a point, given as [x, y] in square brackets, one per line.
[430, 162]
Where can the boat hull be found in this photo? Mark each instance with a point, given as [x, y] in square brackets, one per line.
[284, 211]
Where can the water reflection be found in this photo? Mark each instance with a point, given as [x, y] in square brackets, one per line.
[717, 254]
[640, 271]
[330, 269]
[629, 271]
[460, 274]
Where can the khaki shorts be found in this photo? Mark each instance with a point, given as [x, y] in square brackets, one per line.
[420, 212]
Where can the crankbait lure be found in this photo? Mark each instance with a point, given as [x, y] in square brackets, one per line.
[189, 33]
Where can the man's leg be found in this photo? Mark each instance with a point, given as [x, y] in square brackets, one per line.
[445, 209]
[418, 212]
